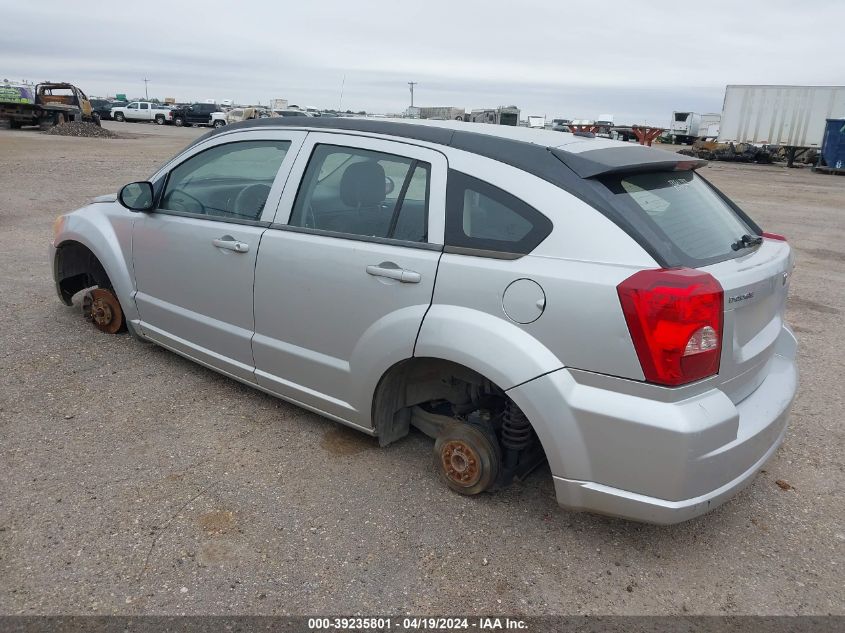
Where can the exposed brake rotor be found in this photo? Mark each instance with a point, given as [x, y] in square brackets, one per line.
[103, 309]
[460, 463]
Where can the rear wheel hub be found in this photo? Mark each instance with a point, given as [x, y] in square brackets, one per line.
[460, 463]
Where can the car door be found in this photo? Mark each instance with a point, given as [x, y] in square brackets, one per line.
[144, 111]
[199, 114]
[346, 273]
[131, 112]
[194, 255]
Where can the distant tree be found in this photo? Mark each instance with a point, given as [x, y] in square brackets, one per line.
[349, 112]
[362, 112]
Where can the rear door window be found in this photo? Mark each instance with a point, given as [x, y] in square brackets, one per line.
[364, 192]
[483, 217]
[681, 210]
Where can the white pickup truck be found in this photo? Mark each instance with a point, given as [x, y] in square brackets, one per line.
[143, 111]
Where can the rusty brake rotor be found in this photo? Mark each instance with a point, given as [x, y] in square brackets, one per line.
[103, 308]
[460, 463]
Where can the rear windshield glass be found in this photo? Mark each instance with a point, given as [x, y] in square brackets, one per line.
[682, 211]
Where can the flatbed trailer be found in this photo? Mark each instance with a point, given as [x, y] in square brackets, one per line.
[48, 105]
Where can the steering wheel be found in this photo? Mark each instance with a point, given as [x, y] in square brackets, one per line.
[250, 201]
[185, 194]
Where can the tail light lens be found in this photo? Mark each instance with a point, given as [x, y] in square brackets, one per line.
[675, 320]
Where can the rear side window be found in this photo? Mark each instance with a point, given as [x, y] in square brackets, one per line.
[483, 217]
[362, 192]
[682, 211]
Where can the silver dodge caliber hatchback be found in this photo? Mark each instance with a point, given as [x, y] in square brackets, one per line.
[518, 295]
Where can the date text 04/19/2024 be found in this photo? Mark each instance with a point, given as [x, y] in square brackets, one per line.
[418, 623]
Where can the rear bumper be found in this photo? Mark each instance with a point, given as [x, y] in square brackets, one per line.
[657, 461]
[593, 497]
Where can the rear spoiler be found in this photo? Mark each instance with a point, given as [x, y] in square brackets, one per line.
[624, 160]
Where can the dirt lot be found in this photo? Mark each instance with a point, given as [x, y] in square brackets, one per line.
[137, 482]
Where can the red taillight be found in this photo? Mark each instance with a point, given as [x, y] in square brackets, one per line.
[774, 236]
[675, 320]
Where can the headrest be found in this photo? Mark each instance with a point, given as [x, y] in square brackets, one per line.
[363, 184]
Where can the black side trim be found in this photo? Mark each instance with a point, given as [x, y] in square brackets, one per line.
[357, 238]
[210, 218]
[480, 252]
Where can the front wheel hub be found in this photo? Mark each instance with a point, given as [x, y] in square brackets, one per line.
[103, 309]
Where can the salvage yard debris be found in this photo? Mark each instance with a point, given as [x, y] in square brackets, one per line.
[78, 128]
[783, 485]
[739, 152]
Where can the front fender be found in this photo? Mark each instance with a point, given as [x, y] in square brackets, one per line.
[107, 232]
[498, 349]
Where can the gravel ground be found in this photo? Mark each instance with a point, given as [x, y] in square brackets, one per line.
[138, 482]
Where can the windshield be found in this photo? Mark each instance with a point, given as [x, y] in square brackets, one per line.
[682, 211]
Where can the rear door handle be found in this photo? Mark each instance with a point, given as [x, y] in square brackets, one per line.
[231, 244]
[391, 271]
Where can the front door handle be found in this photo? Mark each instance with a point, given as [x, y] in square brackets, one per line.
[392, 271]
[231, 244]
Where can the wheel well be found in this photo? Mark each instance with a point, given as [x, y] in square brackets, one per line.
[417, 381]
[78, 268]
[435, 395]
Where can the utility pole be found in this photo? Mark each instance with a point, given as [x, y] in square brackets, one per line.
[146, 94]
[340, 103]
[412, 84]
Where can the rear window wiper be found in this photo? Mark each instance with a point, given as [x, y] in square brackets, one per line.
[747, 241]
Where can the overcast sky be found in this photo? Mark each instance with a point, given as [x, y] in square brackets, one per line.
[637, 60]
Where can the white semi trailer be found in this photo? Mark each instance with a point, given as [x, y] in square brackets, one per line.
[684, 127]
[792, 117]
[708, 128]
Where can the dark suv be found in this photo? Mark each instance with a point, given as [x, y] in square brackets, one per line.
[194, 114]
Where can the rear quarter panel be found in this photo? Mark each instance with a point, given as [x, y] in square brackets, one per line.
[578, 267]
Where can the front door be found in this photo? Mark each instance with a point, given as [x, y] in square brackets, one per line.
[345, 276]
[131, 113]
[194, 256]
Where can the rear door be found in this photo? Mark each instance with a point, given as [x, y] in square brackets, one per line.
[201, 114]
[346, 272]
[194, 255]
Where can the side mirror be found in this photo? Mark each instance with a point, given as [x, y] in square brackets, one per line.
[137, 196]
[389, 186]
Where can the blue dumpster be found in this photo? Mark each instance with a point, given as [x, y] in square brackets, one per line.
[833, 144]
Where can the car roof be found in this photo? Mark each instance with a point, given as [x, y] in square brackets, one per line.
[539, 152]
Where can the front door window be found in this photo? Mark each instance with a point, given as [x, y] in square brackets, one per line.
[226, 181]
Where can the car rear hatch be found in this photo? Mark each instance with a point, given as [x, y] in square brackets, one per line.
[755, 287]
[659, 199]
